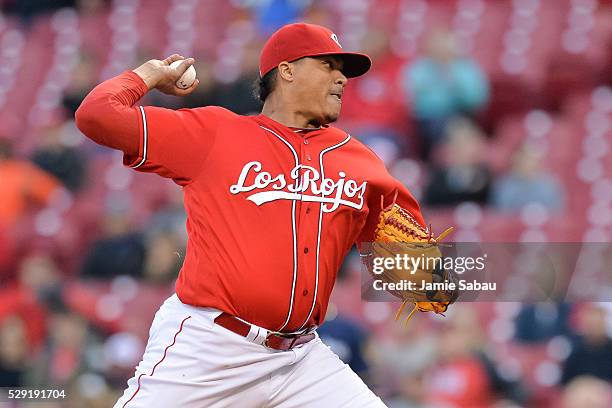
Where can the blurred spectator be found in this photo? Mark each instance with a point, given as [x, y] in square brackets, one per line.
[318, 13]
[402, 358]
[64, 162]
[23, 184]
[464, 174]
[40, 276]
[236, 95]
[28, 9]
[81, 83]
[542, 321]
[88, 7]
[526, 183]
[91, 390]
[411, 392]
[273, 14]
[347, 339]
[35, 291]
[587, 392]
[371, 106]
[592, 351]
[13, 352]
[63, 357]
[171, 218]
[163, 260]
[122, 352]
[441, 85]
[119, 251]
[15, 301]
[465, 376]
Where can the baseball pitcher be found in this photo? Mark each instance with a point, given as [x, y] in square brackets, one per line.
[274, 203]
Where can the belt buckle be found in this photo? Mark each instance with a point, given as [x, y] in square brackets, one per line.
[275, 334]
[265, 342]
[294, 336]
[293, 339]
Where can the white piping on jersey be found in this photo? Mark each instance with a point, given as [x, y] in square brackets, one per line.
[294, 232]
[305, 129]
[314, 299]
[267, 196]
[145, 138]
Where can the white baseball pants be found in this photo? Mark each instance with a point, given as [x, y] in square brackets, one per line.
[192, 362]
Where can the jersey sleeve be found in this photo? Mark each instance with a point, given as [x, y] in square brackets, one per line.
[406, 200]
[389, 189]
[40, 184]
[173, 143]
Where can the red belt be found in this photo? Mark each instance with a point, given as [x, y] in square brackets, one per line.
[276, 341]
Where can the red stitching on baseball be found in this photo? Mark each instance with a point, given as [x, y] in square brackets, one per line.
[159, 362]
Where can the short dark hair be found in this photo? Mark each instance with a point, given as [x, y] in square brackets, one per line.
[265, 85]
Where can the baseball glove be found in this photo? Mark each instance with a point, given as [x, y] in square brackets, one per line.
[398, 233]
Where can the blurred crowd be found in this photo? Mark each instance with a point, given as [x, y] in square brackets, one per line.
[495, 114]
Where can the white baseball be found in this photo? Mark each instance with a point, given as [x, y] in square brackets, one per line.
[188, 77]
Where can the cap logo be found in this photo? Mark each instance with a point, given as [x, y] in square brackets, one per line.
[335, 38]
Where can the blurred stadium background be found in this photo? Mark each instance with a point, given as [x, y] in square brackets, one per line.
[496, 114]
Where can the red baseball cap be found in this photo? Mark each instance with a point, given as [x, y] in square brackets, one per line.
[299, 40]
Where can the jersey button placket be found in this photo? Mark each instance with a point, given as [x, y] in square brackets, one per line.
[306, 156]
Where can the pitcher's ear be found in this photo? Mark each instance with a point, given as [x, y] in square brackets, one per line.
[286, 71]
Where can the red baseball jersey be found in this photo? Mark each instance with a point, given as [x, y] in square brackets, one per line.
[271, 211]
